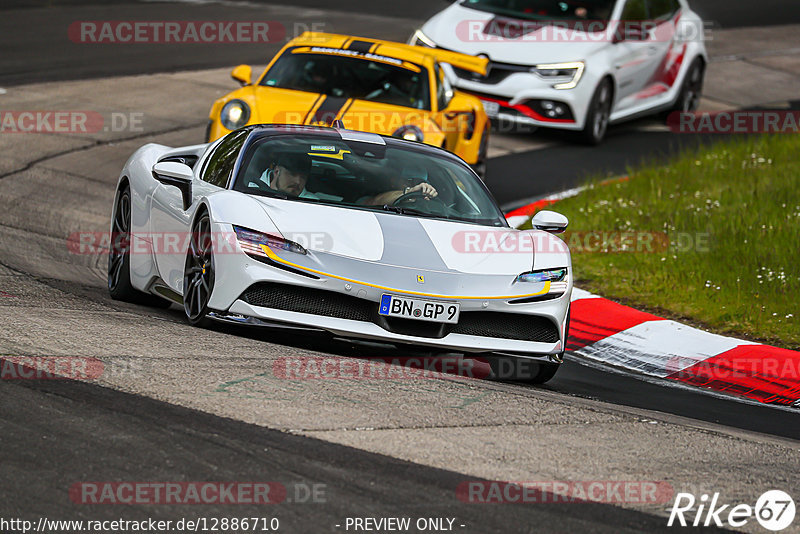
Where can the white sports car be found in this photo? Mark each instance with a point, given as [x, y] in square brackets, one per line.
[352, 233]
[575, 64]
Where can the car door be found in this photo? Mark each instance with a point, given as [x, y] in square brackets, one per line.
[635, 56]
[170, 223]
[668, 53]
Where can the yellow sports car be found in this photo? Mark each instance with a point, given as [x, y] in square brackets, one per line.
[375, 86]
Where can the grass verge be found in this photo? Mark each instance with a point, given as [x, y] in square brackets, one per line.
[713, 237]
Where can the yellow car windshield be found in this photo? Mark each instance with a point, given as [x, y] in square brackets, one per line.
[344, 74]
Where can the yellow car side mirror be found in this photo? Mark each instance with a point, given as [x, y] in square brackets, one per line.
[242, 74]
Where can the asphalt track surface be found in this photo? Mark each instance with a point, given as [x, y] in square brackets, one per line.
[111, 434]
[54, 433]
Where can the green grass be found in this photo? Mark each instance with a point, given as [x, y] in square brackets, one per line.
[743, 199]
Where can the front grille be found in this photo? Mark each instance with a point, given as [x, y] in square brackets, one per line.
[497, 73]
[331, 304]
[507, 326]
[308, 300]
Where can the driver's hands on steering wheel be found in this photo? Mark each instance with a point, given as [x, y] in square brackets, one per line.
[425, 188]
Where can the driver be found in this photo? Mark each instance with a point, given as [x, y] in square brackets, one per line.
[410, 174]
[317, 75]
[289, 174]
[399, 89]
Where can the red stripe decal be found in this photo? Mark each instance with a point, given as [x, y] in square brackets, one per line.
[525, 110]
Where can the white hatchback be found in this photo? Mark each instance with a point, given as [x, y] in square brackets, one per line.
[575, 64]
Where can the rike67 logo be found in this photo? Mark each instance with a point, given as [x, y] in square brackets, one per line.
[774, 510]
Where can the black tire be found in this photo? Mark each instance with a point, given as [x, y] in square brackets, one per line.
[119, 260]
[199, 273]
[692, 88]
[597, 119]
[507, 368]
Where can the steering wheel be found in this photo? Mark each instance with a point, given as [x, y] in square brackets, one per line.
[441, 207]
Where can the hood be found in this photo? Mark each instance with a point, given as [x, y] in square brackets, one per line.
[285, 106]
[508, 40]
[403, 241]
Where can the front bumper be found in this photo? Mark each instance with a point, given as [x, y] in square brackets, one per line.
[520, 94]
[239, 273]
[371, 331]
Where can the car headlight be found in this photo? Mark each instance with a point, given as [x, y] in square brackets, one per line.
[548, 275]
[410, 132]
[567, 75]
[234, 114]
[420, 39]
[252, 242]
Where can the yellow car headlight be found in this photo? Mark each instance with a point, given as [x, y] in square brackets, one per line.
[234, 114]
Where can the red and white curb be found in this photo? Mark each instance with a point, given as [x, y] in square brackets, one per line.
[608, 333]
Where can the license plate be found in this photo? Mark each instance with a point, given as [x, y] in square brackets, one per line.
[492, 108]
[420, 309]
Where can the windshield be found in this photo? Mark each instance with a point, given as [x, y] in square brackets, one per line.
[571, 10]
[395, 178]
[349, 74]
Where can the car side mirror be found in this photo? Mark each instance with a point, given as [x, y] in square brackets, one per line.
[243, 74]
[550, 221]
[177, 175]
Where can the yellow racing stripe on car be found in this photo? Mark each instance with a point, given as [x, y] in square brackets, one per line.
[278, 259]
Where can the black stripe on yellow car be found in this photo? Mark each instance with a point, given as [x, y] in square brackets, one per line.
[360, 46]
[328, 110]
[312, 109]
[346, 108]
